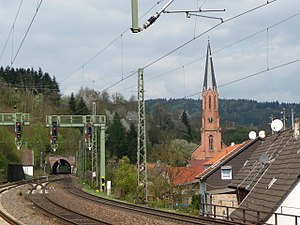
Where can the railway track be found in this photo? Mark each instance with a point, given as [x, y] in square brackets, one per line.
[49, 202]
[65, 215]
[3, 214]
[169, 216]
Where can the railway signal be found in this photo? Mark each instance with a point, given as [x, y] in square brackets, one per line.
[89, 129]
[54, 132]
[102, 184]
[18, 130]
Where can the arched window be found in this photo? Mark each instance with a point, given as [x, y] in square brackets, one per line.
[215, 103]
[204, 102]
[209, 102]
[211, 142]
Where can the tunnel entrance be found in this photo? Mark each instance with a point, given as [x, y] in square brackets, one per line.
[61, 166]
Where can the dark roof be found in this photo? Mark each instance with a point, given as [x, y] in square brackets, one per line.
[209, 74]
[233, 151]
[254, 168]
[271, 173]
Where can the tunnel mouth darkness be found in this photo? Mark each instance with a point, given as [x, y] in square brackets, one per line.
[61, 166]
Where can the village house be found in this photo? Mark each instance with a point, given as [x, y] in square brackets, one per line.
[268, 188]
[214, 180]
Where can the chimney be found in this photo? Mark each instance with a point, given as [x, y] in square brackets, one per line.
[297, 129]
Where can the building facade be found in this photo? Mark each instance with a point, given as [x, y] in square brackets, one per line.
[211, 134]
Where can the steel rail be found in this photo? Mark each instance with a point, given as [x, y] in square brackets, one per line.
[65, 214]
[146, 210]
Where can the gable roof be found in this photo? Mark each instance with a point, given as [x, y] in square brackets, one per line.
[197, 163]
[271, 173]
[255, 167]
[224, 156]
[183, 175]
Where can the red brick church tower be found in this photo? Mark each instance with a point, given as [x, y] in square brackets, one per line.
[211, 135]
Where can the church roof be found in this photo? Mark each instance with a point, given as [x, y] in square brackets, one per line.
[209, 74]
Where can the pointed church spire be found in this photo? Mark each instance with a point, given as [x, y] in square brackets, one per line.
[209, 74]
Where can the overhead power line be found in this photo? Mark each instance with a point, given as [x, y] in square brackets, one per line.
[194, 38]
[205, 32]
[11, 29]
[254, 74]
[227, 46]
[26, 33]
[106, 47]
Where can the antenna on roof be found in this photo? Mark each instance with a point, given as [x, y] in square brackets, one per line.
[263, 159]
[262, 134]
[276, 125]
[252, 135]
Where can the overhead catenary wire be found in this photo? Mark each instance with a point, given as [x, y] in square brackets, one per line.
[11, 29]
[26, 33]
[205, 32]
[196, 37]
[223, 48]
[253, 75]
[233, 81]
[105, 47]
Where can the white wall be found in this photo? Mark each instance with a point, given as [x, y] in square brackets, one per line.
[291, 205]
[28, 170]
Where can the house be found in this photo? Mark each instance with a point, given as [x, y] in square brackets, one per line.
[268, 185]
[27, 157]
[221, 170]
[184, 183]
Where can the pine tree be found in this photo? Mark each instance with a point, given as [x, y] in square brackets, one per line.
[185, 121]
[132, 144]
[82, 108]
[72, 104]
[116, 142]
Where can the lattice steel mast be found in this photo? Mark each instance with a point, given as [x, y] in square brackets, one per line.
[142, 186]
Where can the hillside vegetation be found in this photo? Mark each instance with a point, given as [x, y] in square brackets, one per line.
[172, 124]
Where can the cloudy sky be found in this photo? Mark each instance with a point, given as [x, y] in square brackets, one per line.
[88, 43]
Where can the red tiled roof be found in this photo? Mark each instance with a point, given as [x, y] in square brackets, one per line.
[150, 166]
[222, 154]
[183, 175]
[197, 162]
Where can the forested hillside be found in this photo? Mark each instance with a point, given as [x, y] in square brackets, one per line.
[172, 125]
[233, 112]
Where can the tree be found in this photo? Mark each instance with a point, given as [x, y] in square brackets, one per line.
[185, 121]
[132, 144]
[82, 108]
[72, 104]
[172, 152]
[125, 178]
[116, 142]
[8, 153]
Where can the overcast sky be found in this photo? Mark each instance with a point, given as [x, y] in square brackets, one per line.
[87, 43]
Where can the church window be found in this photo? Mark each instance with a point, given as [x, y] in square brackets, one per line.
[211, 142]
[209, 102]
[215, 103]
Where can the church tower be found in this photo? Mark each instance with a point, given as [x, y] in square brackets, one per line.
[211, 136]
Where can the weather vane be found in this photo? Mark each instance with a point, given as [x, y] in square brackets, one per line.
[135, 27]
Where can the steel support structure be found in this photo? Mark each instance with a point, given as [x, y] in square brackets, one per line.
[95, 169]
[102, 159]
[10, 119]
[142, 185]
[80, 121]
